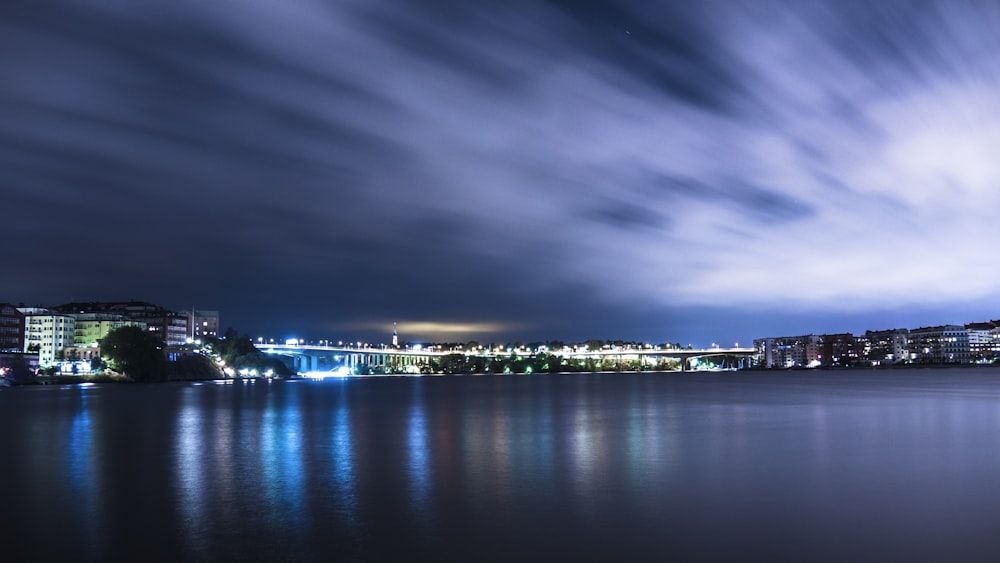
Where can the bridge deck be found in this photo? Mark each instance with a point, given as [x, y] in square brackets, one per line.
[389, 351]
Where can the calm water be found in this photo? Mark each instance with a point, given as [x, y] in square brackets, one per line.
[797, 466]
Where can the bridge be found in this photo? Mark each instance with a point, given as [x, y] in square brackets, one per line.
[312, 358]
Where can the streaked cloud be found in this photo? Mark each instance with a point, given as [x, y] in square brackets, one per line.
[551, 159]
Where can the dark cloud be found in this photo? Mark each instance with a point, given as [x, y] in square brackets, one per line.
[667, 47]
[626, 215]
[763, 203]
[430, 37]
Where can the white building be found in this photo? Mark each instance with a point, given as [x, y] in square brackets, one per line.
[984, 340]
[788, 351]
[47, 333]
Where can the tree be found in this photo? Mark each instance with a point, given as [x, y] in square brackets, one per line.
[239, 353]
[136, 353]
[235, 349]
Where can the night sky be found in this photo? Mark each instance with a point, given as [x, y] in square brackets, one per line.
[689, 172]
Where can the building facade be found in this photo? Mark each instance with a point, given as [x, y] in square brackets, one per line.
[75, 353]
[203, 324]
[788, 351]
[984, 340]
[91, 328]
[948, 344]
[840, 350]
[47, 333]
[11, 329]
[170, 326]
[886, 347]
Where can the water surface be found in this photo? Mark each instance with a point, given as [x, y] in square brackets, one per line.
[786, 466]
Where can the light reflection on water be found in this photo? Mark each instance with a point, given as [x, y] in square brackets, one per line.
[419, 457]
[498, 464]
[344, 482]
[582, 466]
[281, 461]
[83, 474]
[189, 465]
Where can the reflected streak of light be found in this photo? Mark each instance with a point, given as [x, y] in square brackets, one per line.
[343, 463]
[189, 465]
[821, 451]
[222, 431]
[539, 428]
[586, 447]
[636, 442]
[281, 457]
[419, 458]
[501, 451]
[583, 450]
[81, 464]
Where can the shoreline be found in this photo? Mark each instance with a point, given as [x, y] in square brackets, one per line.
[109, 379]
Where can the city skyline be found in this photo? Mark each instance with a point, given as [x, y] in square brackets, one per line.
[710, 172]
[207, 323]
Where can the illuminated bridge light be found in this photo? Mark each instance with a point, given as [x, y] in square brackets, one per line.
[342, 371]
